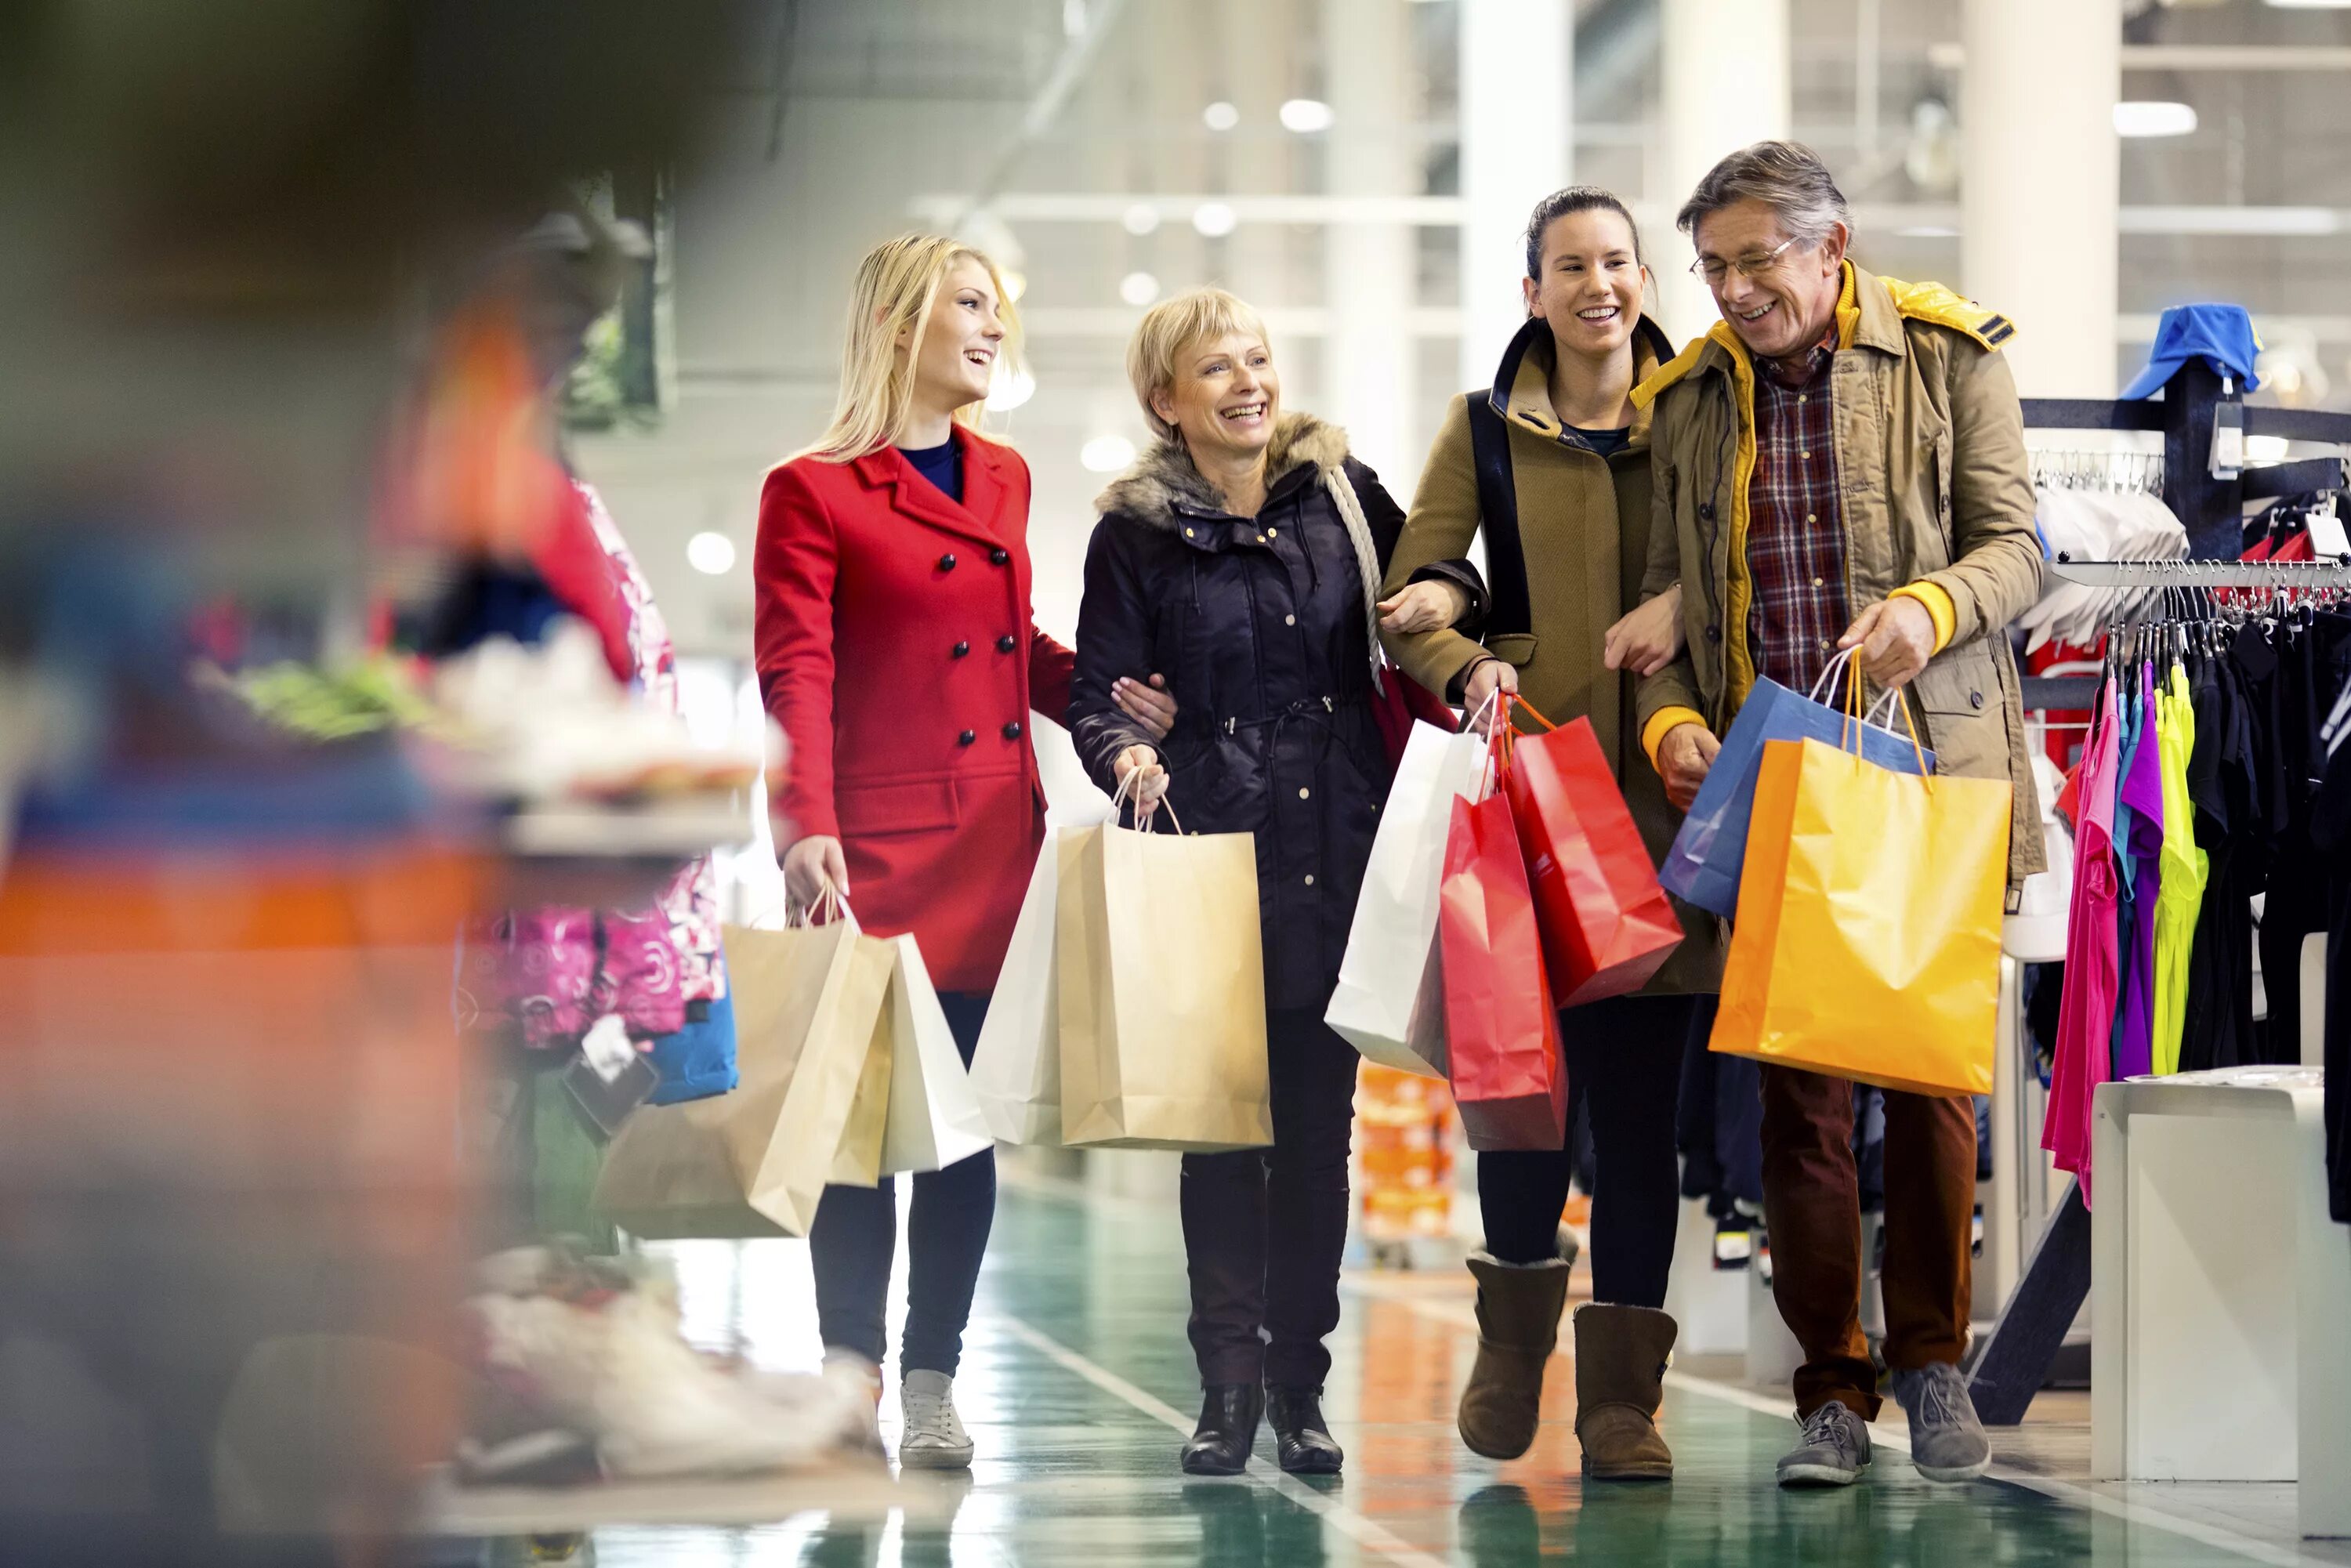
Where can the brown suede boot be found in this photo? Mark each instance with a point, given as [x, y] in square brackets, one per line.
[1620, 1369]
[1518, 1325]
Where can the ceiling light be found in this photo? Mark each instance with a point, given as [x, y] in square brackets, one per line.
[1106, 454]
[2148, 118]
[1215, 219]
[1927, 231]
[1138, 289]
[712, 553]
[1140, 219]
[1010, 388]
[1220, 116]
[1306, 116]
[2311, 5]
[1016, 283]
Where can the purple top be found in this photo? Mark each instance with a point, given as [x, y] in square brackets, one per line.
[2142, 791]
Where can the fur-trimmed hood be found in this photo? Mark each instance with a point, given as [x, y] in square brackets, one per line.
[1164, 478]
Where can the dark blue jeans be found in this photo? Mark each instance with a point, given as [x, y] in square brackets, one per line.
[855, 1239]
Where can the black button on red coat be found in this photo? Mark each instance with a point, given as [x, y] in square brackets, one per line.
[1006, 643]
[966, 738]
[999, 555]
[961, 649]
[1012, 731]
[947, 562]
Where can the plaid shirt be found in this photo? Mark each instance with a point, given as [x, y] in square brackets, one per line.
[1795, 528]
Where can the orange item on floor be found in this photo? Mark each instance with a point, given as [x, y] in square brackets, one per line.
[1404, 1153]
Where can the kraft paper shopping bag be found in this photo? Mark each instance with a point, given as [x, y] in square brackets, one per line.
[756, 1160]
[1162, 999]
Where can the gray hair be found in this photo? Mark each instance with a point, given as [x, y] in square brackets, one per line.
[1786, 176]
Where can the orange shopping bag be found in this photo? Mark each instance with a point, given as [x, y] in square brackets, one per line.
[1868, 941]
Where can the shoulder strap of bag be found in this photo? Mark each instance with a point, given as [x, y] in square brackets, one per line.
[1498, 507]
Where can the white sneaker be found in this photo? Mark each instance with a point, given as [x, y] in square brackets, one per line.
[933, 1438]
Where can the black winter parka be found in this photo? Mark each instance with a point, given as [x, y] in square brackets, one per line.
[1261, 626]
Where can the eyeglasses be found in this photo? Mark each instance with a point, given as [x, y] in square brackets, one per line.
[1714, 271]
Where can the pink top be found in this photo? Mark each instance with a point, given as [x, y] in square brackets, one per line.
[2085, 1017]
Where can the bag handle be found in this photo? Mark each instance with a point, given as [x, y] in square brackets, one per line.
[1122, 799]
[1851, 727]
[828, 904]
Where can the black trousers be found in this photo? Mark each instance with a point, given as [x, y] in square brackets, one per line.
[1264, 1228]
[855, 1239]
[1625, 1063]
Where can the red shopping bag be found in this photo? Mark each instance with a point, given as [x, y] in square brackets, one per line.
[1606, 923]
[1509, 1077]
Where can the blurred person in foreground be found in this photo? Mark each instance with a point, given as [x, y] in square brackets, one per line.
[1578, 453]
[1888, 508]
[1242, 555]
[897, 649]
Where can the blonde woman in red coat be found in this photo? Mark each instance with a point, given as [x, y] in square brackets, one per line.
[896, 648]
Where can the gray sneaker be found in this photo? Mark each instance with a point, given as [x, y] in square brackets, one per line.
[1947, 1442]
[933, 1438]
[1833, 1451]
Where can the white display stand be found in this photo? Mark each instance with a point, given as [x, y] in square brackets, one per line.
[2222, 1320]
[1709, 1304]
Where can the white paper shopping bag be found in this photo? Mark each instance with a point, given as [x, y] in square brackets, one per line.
[1016, 1073]
[934, 1119]
[1389, 1004]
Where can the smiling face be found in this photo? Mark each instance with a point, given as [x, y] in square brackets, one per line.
[1791, 305]
[1223, 399]
[965, 333]
[1589, 286]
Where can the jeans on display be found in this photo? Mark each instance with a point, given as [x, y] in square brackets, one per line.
[1264, 1228]
[855, 1239]
[1812, 1206]
[1623, 1065]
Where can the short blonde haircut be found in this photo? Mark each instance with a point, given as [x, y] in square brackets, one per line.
[1173, 326]
[896, 286]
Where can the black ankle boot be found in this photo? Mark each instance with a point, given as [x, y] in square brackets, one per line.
[1306, 1446]
[1227, 1430]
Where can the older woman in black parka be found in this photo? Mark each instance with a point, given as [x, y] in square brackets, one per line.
[1242, 556]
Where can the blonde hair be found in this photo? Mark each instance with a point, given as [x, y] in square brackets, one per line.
[896, 286]
[1172, 325]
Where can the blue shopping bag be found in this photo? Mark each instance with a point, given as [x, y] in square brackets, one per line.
[1702, 868]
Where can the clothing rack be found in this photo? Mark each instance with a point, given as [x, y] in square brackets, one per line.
[2013, 1362]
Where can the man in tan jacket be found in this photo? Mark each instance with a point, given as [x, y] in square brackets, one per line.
[1840, 464]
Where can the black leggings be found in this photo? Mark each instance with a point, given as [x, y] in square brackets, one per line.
[855, 1239]
[1625, 1059]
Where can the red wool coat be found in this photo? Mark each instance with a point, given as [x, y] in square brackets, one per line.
[897, 648]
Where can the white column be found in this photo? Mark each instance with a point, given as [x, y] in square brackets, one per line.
[2040, 184]
[1369, 270]
[1725, 86]
[1518, 77]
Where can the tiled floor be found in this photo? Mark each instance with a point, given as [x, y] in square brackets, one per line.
[1078, 1384]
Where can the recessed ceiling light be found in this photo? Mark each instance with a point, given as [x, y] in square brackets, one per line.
[713, 553]
[1306, 116]
[1215, 219]
[1220, 116]
[1927, 231]
[1138, 289]
[2152, 118]
[1106, 453]
[1142, 218]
